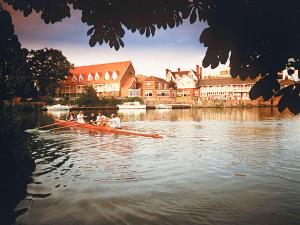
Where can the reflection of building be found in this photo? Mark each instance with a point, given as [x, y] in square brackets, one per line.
[185, 81]
[225, 88]
[157, 89]
[111, 79]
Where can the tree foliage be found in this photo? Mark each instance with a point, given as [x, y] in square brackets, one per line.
[257, 37]
[47, 67]
[10, 52]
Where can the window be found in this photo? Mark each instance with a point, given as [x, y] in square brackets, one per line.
[106, 76]
[115, 75]
[162, 93]
[148, 83]
[148, 94]
[90, 77]
[80, 77]
[97, 77]
[79, 88]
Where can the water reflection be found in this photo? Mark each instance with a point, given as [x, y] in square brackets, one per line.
[16, 164]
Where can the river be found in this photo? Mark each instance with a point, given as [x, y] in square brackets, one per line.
[213, 166]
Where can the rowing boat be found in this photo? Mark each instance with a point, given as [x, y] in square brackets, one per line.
[105, 129]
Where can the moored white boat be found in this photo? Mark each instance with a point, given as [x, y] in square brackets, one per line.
[132, 105]
[57, 107]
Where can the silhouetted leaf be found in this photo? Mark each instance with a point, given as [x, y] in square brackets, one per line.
[284, 90]
[147, 32]
[93, 41]
[205, 62]
[152, 28]
[142, 30]
[90, 31]
[121, 42]
[204, 36]
[193, 16]
[224, 56]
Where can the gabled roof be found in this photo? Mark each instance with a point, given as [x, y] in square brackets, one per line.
[102, 68]
[119, 67]
[180, 73]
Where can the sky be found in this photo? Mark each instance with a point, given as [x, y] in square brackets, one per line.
[168, 49]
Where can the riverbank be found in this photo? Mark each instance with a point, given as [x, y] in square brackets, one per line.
[36, 106]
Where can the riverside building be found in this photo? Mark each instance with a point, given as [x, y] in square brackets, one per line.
[109, 80]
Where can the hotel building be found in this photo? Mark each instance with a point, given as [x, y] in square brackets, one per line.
[111, 79]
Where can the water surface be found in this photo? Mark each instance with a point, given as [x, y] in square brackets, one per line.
[213, 166]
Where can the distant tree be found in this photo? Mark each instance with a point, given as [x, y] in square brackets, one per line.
[48, 67]
[257, 37]
[21, 83]
[88, 97]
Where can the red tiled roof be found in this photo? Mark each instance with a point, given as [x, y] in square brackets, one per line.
[140, 78]
[153, 78]
[225, 81]
[180, 73]
[119, 67]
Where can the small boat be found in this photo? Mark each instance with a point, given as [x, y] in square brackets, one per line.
[104, 129]
[132, 105]
[57, 107]
[163, 106]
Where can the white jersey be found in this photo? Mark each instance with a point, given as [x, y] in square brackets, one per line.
[100, 118]
[80, 118]
[115, 122]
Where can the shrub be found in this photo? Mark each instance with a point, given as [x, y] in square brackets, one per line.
[65, 100]
[88, 97]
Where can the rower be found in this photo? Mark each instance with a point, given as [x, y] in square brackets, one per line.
[101, 119]
[92, 118]
[114, 122]
[80, 117]
[71, 117]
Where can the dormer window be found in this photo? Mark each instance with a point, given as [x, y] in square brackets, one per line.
[106, 76]
[80, 77]
[74, 78]
[114, 75]
[97, 77]
[90, 77]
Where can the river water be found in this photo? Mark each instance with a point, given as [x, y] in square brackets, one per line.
[213, 166]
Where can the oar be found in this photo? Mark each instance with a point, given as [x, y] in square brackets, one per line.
[73, 125]
[49, 125]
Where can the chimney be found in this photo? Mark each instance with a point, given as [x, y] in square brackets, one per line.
[199, 72]
[167, 70]
[178, 70]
